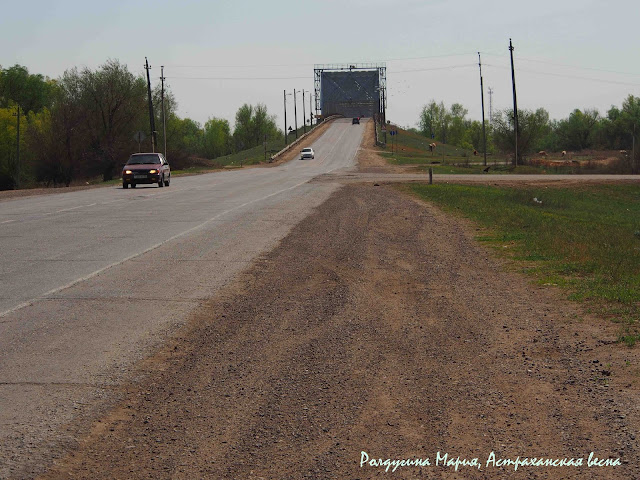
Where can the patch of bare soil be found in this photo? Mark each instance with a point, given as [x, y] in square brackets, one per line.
[378, 325]
[370, 160]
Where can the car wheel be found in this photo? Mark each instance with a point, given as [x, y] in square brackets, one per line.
[161, 182]
[125, 185]
[166, 184]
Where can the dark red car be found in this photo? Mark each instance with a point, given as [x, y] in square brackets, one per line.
[146, 168]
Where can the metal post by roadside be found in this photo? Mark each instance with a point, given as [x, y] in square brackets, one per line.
[18, 151]
[285, 117]
[304, 115]
[295, 112]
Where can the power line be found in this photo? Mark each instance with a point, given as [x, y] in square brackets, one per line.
[551, 74]
[450, 67]
[566, 65]
[245, 66]
[307, 77]
[429, 57]
[278, 65]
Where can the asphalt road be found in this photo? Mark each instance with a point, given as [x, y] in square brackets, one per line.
[93, 279]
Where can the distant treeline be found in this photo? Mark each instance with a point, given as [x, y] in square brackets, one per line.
[83, 125]
[583, 129]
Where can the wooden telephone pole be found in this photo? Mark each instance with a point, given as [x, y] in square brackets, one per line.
[484, 131]
[515, 102]
[152, 121]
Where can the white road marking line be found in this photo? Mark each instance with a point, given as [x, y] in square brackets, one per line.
[99, 271]
[69, 209]
[197, 227]
[8, 221]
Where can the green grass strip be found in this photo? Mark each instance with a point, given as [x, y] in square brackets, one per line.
[585, 238]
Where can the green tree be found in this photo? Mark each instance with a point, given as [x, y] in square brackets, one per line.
[578, 131]
[31, 92]
[473, 137]
[243, 128]
[429, 117]
[612, 132]
[532, 128]
[445, 125]
[216, 138]
[8, 146]
[458, 125]
[113, 101]
[616, 130]
[263, 125]
[89, 129]
[252, 125]
[184, 137]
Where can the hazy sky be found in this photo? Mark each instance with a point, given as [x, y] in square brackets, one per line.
[220, 54]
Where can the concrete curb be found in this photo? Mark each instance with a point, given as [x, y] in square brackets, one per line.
[300, 138]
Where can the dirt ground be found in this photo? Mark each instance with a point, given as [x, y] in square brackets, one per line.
[369, 160]
[378, 325]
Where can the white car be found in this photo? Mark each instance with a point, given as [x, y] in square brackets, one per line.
[307, 153]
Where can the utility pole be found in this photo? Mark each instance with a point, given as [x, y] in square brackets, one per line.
[315, 112]
[310, 116]
[515, 101]
[164, 121]
[442, 143]
[384, 109]
[285, 118]
[151, 119]
[484, 131]
[18, 148]
[633, 151]
[490, 106]
[304, 115]
[295, 112]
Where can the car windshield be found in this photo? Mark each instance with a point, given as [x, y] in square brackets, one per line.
[306, 150]
[143, 159]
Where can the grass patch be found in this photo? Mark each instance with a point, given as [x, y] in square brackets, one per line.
[256, 155]
[251, 156]
[584, 239]
[193, 170]
[411, 148]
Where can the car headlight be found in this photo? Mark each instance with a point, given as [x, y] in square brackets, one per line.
[153, 171]
[127, 171]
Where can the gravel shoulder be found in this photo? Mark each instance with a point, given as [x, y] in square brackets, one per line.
[377, 325]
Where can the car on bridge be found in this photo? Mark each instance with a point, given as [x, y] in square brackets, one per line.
[307, 153]
[355, 121]
[146, 168]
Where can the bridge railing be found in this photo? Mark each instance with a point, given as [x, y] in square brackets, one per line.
[298, 140]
